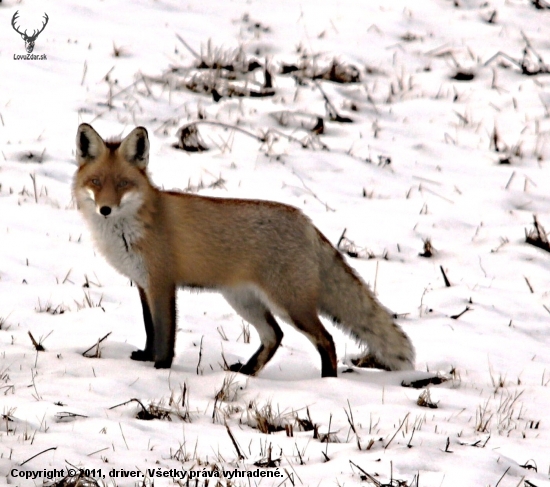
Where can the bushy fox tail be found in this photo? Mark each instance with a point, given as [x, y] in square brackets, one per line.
[347, 300]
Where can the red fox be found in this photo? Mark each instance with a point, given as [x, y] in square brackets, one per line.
[265, 258]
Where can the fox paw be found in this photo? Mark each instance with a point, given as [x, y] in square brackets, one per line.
[242, 368]
[163, 364]
[236, 367]
[142, 356]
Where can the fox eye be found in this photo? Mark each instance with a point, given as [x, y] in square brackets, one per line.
[123, 183]
[96, 182]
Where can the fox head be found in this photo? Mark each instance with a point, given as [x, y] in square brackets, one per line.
[111, 180]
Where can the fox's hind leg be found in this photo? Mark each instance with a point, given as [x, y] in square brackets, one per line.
[247, 304]
[310, 325]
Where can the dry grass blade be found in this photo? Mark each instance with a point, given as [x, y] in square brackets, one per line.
[66, 416]
[428, 250]
[447, 283]
[96, 346]
[367, 476]
[397, 431]
[348, 247]
[235, 444]
[4, 322]
[38, 454]
[189, 48]
[307, 424]
[537, 236]
[155, 411]
[333, 114]
[37, 346]
[266, 419]
[458, 315]
[268, 461]
[531, 64]
[49, 308]
[352, 425]
[425, 400]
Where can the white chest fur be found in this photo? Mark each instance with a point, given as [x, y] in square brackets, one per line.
[116, 236]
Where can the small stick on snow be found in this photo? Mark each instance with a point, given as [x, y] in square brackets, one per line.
[200, 355]
[512, 176]
[341, 238]
[96, 344]
[231, 127]
[366, 474]
[84, 73]
[332, 112]
[34, 456]
[97, 451]
[188, 47]
[455, 317]
[235, 444]
[37, 346]
[398, 430]
[33, 177]
[128, 402]
[437, 194]
[123, 437]
[352, 425]
[447, 283]
[503, 475]
[327, 207]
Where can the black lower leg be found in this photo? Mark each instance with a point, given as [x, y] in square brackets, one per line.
[147, 353]
[265, 353]
[328, 361]
[251, 366]
[165, 331]
[311, 326]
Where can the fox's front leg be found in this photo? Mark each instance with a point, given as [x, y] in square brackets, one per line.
[162, 304]
[146, 354]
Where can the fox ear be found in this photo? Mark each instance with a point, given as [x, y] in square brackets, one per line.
[135, 147]
[89, 144]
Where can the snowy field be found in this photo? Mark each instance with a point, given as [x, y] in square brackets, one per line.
[415, 127]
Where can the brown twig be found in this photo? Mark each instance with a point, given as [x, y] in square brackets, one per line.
[235, 444]
[447, 283]
[332, 112]
[188, 47]
[128, 402]
[96, 344]
[34, 456]
[398, 430]
[38, 346]
[200, 355]
[455, 317]
[537, 237]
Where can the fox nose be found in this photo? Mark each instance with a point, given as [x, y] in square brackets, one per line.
[105, 210]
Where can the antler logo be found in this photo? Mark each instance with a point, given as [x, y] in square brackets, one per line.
[29, 39]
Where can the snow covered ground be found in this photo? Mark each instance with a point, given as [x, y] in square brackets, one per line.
[429, 161]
